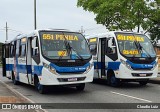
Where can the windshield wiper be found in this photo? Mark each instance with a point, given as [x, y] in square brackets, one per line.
[140, 47]
[69, 49]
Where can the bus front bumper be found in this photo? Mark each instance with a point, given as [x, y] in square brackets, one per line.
[125, 73]
[48, 78]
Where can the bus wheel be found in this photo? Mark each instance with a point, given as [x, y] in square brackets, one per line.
[112, 80]
[41, 88]
[143, 82]
[15, 82]
[80, 87]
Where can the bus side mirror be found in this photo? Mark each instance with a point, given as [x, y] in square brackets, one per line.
[34, 42]
[158, 42]
[36, 50]
[111, 43]
[91, 49]
[111, 49]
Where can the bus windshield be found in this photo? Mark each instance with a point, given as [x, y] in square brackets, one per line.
[64, 45]
[135, 45]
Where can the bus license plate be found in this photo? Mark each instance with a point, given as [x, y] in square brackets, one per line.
[142, 75]
[72, 79]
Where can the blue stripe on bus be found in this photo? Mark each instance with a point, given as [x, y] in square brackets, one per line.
[111, 65]
[115, 65]
[20, 68]
[37, 70]
[141, 66]
[9, 67]
[70, 69]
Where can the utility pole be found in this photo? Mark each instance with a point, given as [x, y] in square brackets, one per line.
[6, 31]
[82, 31]
[35, 18]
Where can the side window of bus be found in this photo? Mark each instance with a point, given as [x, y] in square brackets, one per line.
[35, 47]
[111, 50]
[7, 51]
[22, 50]
[17, 48]
[12, 50]
[93, 49]
[35, 50]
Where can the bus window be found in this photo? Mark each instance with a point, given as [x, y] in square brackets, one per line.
[35, 47]
[12, 49]
[23, 50]
[17, 48]
[35, 50]
[93, 49]
[7, 51]
[111, 46]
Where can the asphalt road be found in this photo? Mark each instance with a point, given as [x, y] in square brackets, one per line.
[98, 92]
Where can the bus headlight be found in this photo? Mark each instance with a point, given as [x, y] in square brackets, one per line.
[89, 68]
[50, 68]
[155, 65]
[126, 64]
[45, 65]
[53, 70]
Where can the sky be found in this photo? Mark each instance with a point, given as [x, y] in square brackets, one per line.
[58, 14]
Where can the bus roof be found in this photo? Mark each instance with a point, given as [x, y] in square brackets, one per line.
[108, 34]
[35, 33]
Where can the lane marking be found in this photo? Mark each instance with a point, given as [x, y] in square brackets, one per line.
[131, 96]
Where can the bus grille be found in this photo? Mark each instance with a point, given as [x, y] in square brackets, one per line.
[141, 68]
[141, 61]
[138, 75]
[70, 64]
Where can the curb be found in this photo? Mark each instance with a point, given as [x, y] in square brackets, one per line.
[154, 81]
[18, 94]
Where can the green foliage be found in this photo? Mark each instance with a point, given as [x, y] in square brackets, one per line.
[124, 14]
[155, 33]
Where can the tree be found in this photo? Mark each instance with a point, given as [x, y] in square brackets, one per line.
[155, 33]
[123, 14]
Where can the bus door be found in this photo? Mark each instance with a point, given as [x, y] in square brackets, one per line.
[35, 56]
[5, 58]
[22, 60]
[94, 51]
[29, 61]
[102, 56]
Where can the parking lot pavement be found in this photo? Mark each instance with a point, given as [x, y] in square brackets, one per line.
[9, 95]
[155, 80]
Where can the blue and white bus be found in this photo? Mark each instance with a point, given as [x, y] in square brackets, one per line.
[48, 57]
[123, 56]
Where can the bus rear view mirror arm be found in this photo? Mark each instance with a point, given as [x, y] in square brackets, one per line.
[35, 48]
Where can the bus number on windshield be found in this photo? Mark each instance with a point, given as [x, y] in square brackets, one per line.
[130, 52]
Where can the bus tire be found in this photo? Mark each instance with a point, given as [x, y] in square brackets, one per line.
[15, 82]
[80, 87]
[112, 80]
[143, 83]
[40, 88]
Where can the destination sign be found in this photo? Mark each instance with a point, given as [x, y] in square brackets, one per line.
[59, 37]
[130, 38]
[93, 40]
